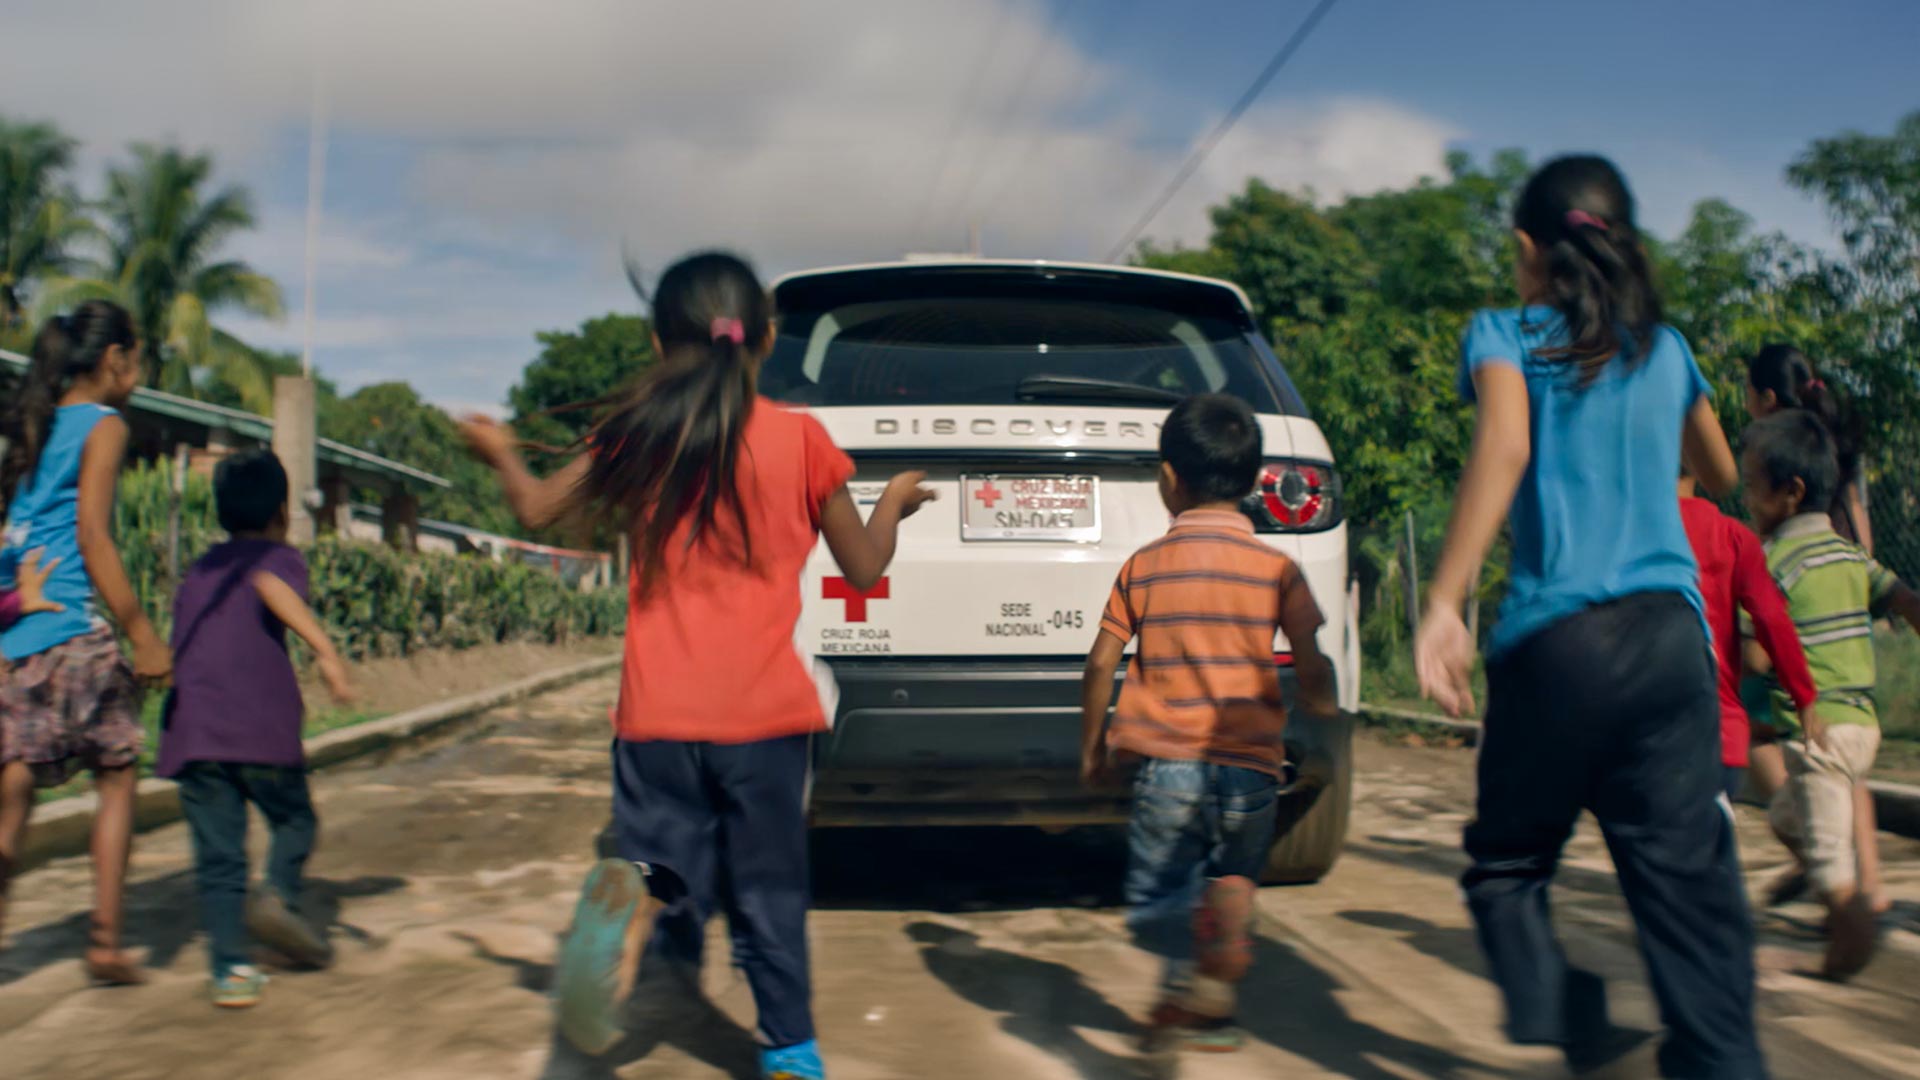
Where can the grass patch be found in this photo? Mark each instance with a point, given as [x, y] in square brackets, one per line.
[1391, 682]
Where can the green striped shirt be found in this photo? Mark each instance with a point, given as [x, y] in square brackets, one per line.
[1832, 588]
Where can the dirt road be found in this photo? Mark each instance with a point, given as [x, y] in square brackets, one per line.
[995, 955]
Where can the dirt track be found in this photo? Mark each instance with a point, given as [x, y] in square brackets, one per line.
[979, 954]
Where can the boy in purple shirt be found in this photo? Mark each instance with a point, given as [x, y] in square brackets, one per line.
[231, 732]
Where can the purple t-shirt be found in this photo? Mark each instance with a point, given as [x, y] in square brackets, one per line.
[235, 698]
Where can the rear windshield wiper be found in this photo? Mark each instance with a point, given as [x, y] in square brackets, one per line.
[1054, 387]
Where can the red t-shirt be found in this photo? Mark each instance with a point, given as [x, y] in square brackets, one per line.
[1733, 575]
[709, 653]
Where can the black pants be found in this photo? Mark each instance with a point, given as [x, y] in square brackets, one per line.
[214, 797]
[724, 827]
[1614, 710]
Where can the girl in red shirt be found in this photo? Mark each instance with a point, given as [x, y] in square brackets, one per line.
[725, 495]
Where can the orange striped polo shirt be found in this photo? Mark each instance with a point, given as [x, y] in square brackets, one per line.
[1205, 600]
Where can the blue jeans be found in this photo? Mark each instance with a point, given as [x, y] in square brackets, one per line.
[213, 798]
[1192, 822]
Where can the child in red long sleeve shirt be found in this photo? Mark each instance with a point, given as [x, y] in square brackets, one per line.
[1734, 576]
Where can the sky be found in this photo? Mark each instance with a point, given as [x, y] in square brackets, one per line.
[489, 161]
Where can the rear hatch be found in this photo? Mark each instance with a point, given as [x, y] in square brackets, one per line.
[1033, 397]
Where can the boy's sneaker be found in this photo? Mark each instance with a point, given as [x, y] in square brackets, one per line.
[800, 1062]
[1173, 1027]
[277, 926]
[600, 958]
[239, 987]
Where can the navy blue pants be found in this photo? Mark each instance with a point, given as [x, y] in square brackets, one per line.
[1614, 710]
[724, 828]
[213, 798]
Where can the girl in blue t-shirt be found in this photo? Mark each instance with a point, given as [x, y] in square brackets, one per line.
[72, 700]
[1600, 675]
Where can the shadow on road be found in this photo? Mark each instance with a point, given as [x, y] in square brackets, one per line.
[967, 869]
[1453, 945]
[163, 918]
[1041, 1002]
[668, 1009]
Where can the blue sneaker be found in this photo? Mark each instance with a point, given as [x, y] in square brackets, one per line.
[800, 1062]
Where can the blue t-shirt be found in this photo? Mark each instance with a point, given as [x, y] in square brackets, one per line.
[44, 516]
[1596, 517]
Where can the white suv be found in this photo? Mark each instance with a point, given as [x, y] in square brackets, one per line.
[1032, 394]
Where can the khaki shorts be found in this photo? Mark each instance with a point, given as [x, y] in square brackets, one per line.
[1814, 811]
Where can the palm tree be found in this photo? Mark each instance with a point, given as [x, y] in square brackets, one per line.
[39, 213]
[163, 236]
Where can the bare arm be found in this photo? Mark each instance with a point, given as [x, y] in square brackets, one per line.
[1096, 695]
[863, 550]
[535, 501]
[1857, 516]
[1502, 447]
[93, 529]
[295, 615]
[1703, 446]
[1905, 603]
[1300, 620]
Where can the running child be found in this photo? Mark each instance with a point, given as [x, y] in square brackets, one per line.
[1791, 471]
[1600, 672]
[1779, 377]
[231, 732]
[72, 700]
[725, 495]
[1738, 591]
[1202, 713]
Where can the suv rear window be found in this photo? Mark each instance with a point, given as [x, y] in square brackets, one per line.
[1001, 350]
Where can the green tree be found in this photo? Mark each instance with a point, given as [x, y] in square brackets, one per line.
[40, 215]
[577, 368]
[1870, 186]
[391, 419]
[164, 234]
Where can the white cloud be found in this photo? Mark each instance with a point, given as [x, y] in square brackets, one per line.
[541, 135]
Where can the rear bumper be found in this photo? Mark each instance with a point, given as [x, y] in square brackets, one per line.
[979, 742]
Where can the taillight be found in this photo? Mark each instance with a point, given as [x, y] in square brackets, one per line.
[1295, 497]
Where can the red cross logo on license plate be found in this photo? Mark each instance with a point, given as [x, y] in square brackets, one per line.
[837, 588]
[988, 494]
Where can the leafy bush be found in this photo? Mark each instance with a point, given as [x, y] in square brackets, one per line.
[374, 601]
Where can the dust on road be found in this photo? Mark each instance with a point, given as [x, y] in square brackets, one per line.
[992, 954]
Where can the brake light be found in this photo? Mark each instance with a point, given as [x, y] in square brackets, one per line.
[1295, 497]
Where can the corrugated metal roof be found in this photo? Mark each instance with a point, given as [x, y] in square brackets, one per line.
[257, 428]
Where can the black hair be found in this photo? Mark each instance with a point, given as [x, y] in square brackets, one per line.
[249, 491]
[1579, 213]
[68, 347]
[1789, 374]
[667, 449]
[1793, 444]
[1213, 443]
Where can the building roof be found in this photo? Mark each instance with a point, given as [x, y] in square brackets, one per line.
[258, 429]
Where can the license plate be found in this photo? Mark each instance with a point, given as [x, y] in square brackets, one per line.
[1060, 508]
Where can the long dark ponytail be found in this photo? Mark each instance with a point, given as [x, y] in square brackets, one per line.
[1579, 213]
[1789, 375]
[667, 450]
[68, 347]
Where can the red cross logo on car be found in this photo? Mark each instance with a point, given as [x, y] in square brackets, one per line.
[837, 588]
[988, 494]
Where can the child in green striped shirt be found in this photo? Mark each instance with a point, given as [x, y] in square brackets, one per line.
[1833, 590]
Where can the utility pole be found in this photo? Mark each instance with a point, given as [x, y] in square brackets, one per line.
[294, 433]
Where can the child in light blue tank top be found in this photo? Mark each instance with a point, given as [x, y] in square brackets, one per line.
[1602, 692]
[70, 699]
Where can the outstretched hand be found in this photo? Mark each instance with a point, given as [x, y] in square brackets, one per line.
[486, 438]
[909, 490]
[30, 580]
[1443, 655]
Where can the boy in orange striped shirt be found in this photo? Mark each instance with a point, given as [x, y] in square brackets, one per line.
[1202, 711]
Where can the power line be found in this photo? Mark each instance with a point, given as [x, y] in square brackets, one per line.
[1055, 17]
[1200, 152]
[991, 45]
[1077, 97]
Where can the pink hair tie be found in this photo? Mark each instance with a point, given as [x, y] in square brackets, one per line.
[733, 330]
[1579, 218]
[1816, 384]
